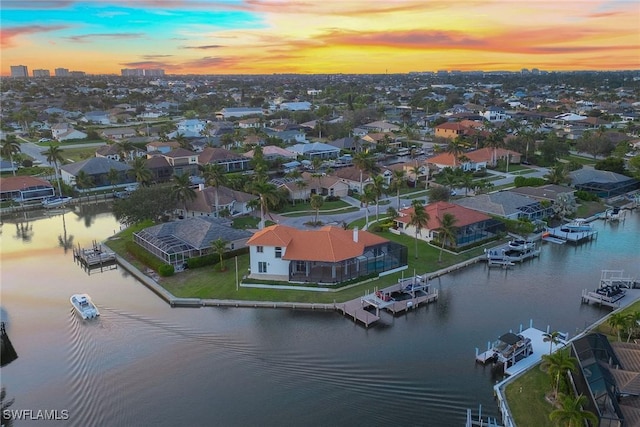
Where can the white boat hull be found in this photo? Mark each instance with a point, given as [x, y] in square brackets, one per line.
[84, 306]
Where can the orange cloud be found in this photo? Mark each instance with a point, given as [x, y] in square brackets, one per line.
[8, 35]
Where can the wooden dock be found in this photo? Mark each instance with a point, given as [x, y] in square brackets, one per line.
[95, 257]
[356, 309]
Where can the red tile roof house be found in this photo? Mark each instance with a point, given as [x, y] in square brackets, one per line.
[25, 188]
[472, 226]
[327, 255]
[477, 159]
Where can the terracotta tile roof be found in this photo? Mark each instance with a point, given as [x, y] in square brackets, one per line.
[436, 211]
[14, 183]
[328, 244]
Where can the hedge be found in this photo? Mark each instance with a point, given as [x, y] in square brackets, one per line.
[214, 258]
[521, 181]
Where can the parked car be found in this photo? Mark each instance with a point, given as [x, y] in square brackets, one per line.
[44, 140]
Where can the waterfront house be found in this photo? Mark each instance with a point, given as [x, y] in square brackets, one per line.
[176, 241]
[315, 150]
[232, 162]
[508, 205]
[98, 169]
[273, 152]
[471, 226]
[182, 161]
[602, 183]
[25, 189]
[327, 255]
[162, 146]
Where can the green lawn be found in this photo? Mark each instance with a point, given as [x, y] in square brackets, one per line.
[209, 282]
[580, 159]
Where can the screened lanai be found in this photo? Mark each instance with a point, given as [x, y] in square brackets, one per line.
[176, 241]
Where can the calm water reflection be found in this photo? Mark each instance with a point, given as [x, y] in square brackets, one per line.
[143, 363]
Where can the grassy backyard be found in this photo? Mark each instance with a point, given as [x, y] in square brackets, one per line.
[526, 394]
[210, 282]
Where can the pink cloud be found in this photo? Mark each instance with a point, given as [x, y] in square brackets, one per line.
[8, 35]
[84, 38]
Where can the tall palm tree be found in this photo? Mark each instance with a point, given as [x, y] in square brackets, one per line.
[220, 247]
[552, 338]
[113, 176]
[456, 149]
[447, 231]
[557, 364]
[366, 197]
[316, 203]
[571, 412]
[378, 188]
[419, 218]
[126, 149]
[365, 162]
[54, 156]
[9, 147]
[182, 140]
[268, 197]
[214, 175]
[398, 181]
[181, 191]
[140, 171]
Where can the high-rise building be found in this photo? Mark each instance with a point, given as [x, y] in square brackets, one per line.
[19, 71]
[142, 72]
[62, 72]
[41, 73]
[154, 72]
[77, 73]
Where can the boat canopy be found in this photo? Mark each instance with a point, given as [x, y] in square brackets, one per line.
[510, 338]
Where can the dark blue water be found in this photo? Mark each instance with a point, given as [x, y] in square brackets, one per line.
[143, 363]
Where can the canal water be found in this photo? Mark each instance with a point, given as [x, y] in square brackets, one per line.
[143, 363]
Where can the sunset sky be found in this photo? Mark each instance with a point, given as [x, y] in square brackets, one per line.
[319, 36]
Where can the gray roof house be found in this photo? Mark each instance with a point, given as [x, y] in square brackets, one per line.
[176, 241]
[508, 205]
[602, 183]
[315, 149]
[98, 168]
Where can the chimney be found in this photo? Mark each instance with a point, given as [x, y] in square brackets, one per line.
[355, 234]
[200, 187]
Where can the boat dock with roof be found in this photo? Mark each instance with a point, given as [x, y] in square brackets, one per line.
[407, 294]
[613, 287]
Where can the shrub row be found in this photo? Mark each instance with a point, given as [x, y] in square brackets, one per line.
[214, 258]
[586, 196]
[148, 259]
[521, 181]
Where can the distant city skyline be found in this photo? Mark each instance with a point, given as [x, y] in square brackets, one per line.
[319, 37]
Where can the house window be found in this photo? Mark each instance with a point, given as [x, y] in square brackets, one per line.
[300, 267]
[262, 267]
[278, 252]
[259, 249]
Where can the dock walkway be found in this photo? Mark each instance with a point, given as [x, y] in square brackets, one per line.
[98, 256]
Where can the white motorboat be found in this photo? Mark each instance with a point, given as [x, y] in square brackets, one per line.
[84, 306]
[56, 201]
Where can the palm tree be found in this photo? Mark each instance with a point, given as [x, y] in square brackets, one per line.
[126, 149]
[571, 412]
[83, 180]
[181, 191]
[316, 203]
[398, 180]
[632, 323]
[365, 162]
[9, 147]
[419, 218]
[220, 246]
[447, 231]
[556, 365]
[182, 140]
[378, 189]
[140, 171]
[54, 156]
[456, 149]
[467, 182]
[214, 175]
[552, 338]
[618, 322]
[557, 175]
[366, 197]
[268, 196]
[113, 176]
